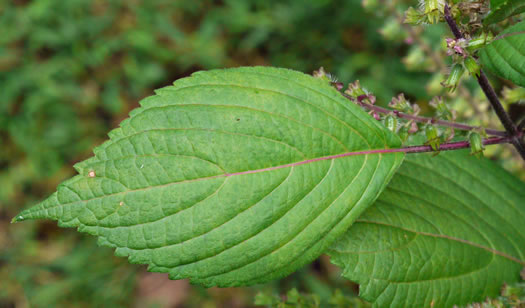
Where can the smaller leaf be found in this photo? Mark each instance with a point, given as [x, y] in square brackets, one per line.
[504, 10]
[446, 231]
[505, 56]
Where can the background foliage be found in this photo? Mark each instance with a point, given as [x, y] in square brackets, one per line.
[72, 70]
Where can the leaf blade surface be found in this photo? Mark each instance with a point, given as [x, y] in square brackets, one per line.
[505, 56]
[504, 10]
[446, 231]
[229, 177]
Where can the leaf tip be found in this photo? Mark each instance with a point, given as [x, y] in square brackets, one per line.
[17, 218]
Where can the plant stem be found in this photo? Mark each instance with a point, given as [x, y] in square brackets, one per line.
[420, 119]
[512, 131]
[454, 145]
[427, 148]
[521, 126]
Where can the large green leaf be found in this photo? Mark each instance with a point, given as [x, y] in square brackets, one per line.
[505, 56]
[229, 177]
[504, 10]
[446, 230]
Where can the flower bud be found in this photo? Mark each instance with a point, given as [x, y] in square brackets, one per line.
[476, 144]
[403, 133]
[456, 47]
[338, 85]
[442, 109]
[400, 103]
[432, 137]
[453, 78]
[472, 66]
[321, 74]
[479, 42]
[391, 122]
[355, 90]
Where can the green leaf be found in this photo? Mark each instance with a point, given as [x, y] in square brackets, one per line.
[229, 177]
[504, 10]
[505, 56]
[494, 4]
[446, 231]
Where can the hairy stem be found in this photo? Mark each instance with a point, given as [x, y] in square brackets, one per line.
[521, 126]
[420, 119]
[454, 145]
[427, 148]
[512, 131]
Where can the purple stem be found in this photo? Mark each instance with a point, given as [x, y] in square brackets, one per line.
[455, 145]
[420, 119]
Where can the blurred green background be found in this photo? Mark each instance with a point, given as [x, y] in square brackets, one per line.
[70, 71]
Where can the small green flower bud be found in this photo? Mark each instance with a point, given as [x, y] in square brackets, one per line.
[403, 133]
[321, 74]
[432, 137]
[355, 90]
[453, 78]
[472, 66]
[391, 122]
[442, 109]
[476, 144]
[475, 43]
[480, 41]
[400, 103]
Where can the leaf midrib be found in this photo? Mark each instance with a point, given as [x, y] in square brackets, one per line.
[294, 164]
[252, 236]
